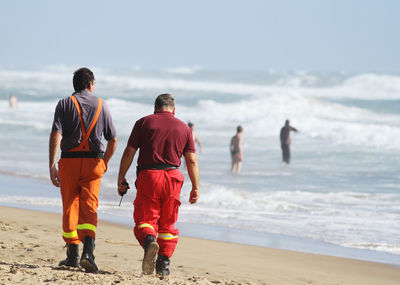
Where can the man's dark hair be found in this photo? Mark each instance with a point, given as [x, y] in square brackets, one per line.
[190, 124]
[164, 101]
[82, 79]
[239, 129]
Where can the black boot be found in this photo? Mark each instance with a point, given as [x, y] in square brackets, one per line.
[162, 265]
[72, 259]
[87, 258]
[150, 247]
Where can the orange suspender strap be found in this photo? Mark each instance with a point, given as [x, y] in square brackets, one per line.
[96, 117]
[79, 112]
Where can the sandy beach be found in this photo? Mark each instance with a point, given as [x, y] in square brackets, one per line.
[31, 247]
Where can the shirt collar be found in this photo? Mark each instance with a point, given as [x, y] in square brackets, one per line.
[84, 92]
[164, 112]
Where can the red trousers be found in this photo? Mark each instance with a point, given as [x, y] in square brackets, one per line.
[156, 207]
[80, 186]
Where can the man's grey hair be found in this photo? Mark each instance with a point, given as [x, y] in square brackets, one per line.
[164, 101]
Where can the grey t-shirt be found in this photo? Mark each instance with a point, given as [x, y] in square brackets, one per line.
[67, 122]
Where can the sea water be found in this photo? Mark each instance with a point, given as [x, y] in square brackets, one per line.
[342, 187]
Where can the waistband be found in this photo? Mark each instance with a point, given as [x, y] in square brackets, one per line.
[81, 154]
[158, 166]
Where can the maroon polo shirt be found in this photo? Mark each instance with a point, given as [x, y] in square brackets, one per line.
[161, 138]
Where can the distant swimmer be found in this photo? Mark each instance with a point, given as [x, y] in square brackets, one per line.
[285, 141]
[13, 101]
[236, 150]
[195, 137]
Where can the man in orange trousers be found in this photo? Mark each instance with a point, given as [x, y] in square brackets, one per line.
[79, 123]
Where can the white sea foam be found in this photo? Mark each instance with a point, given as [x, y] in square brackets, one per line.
[318, 119]
[29, 200]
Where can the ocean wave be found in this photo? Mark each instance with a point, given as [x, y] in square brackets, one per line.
[261, 116]
[57, 80]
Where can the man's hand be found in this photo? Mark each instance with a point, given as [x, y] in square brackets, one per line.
[194, 196]
[193, 171]
[123, 186]
[126, 161]
[54, 145]
[55, 179]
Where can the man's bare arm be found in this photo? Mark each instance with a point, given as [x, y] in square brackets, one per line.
[111, 146]
[193, 171]
[54, 145]
[126, 161]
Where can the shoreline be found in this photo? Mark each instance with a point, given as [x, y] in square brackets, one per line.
[32, 246]
[29, 186]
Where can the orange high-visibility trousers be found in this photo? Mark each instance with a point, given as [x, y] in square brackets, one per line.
[80, 180]
[156, 207]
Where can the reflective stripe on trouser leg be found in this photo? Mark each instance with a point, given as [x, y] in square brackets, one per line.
[70, 235]
[167, 243]
[142, 230]
[145, 225]
[86, 229]
[167, 236]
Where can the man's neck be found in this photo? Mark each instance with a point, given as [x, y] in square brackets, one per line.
[169, 110]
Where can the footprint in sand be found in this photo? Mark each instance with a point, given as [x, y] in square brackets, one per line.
[23, 230]
[4, 226]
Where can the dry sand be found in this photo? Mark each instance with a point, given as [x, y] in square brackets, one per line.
[31, 247]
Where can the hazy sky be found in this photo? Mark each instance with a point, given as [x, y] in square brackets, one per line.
[315, 35]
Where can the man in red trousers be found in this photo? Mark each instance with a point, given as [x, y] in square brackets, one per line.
[162, 140]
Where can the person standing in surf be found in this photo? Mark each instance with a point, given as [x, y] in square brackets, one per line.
[13, 101]
[195, 137]
[286, 140]
[235, 148]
